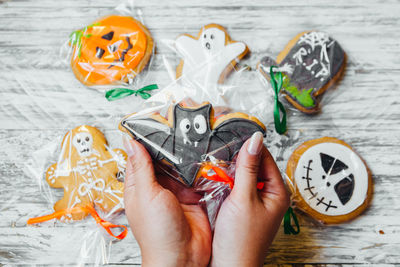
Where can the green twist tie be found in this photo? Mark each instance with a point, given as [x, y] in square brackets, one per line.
[287, 223]
[280, 125]
[118, 93]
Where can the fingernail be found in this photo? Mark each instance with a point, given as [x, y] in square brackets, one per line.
[256, 142]
[128, 146]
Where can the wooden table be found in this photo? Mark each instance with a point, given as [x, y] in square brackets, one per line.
[41, 99]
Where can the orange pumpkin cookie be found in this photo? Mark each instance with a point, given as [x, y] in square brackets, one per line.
[112, 49]
[87, 171]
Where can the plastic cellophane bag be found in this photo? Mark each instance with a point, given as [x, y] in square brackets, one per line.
[194, 136]
[81, 177]
[113, 50]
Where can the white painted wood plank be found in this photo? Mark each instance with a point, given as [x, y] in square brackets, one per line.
[40, 99]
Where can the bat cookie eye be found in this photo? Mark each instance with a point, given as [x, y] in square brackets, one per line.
[200, 124]
[185, 125]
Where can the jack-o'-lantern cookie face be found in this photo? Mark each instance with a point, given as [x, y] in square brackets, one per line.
[87, 170]
[113, 49]
[331, 182]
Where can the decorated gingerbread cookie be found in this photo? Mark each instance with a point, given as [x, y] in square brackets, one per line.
[112, 49]
[209, 57]
[87, 171]
[191, 136]
[310, 63]
[330, 182]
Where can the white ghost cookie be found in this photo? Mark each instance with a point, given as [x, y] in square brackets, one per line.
[330, 182]
[209, 57]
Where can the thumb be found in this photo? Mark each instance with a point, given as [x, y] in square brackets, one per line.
[139, 169]
[247, 166]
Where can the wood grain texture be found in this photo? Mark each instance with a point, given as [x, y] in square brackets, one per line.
[40, 99]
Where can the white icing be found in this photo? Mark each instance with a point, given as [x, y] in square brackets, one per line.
[85, 188]
[83, 142]
[319, 186]
[165, 152]
[315, 39]
[206, 58]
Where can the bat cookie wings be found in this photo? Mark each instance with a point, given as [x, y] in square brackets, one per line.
[190, 135]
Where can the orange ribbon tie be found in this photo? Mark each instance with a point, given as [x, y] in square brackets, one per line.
[89, 209]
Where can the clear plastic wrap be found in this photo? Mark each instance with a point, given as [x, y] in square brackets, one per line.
[328, 180]
[206, 60]
[194, 143]
[311, 63]
[114, 50]
[90, 174]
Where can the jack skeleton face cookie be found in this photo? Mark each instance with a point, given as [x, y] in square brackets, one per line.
[208, 57]
[310, 63]
[332, 182]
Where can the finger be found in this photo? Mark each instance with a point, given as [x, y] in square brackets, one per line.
[184, 194]
[139, 171]
[247, 166]
[272, 178]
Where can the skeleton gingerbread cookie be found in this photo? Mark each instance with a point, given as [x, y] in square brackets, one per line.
[191, 136]
[87, 171]
[330, 182]
[209, 57]
[112, 49]
[310, 63]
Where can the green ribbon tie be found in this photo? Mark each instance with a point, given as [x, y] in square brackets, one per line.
[287, 223]
[280, 125]
[118, 93]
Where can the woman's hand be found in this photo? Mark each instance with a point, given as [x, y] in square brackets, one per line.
[249, 219]
[169, 232]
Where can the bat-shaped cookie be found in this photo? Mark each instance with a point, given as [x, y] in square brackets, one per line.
[310, 64]
[192, 135]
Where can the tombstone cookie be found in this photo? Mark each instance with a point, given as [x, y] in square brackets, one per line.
[330, 182]
[87, 171]
[310, 63]
[191, 136]
[112, 49]
[210, 56]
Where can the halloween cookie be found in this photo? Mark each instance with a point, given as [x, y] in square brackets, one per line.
[191, 136]
[112, 49]
[87, 171]
[210, 56]
[330, 182]
[310, 63]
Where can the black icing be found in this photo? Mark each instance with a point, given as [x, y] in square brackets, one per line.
[108, 36]
[99, 52]
[331, 165]
[344, 189]
[124, 52]
[223, 142]
[332, 59]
